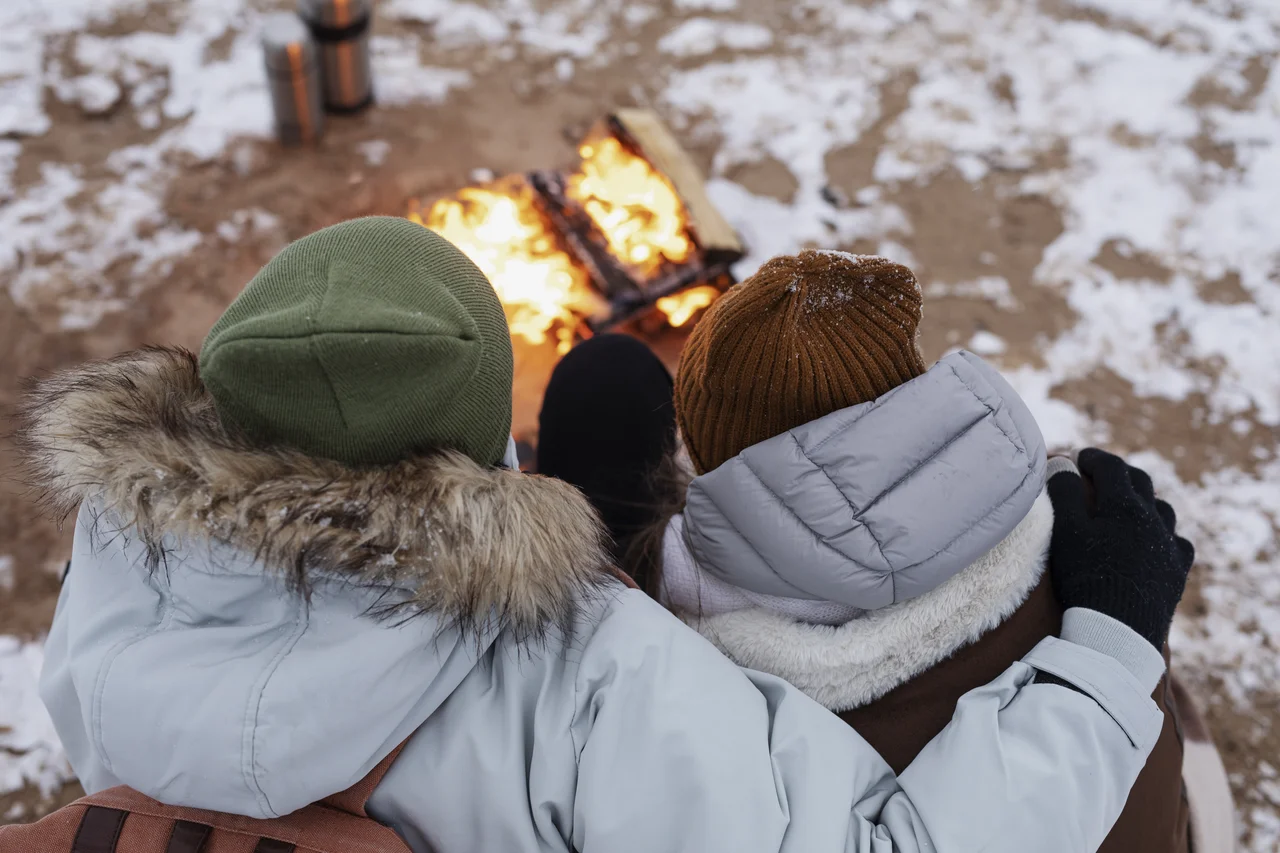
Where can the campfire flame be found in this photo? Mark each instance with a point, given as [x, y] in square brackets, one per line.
[635, 207]
[500, 228]
[680, 307]
[544, 290]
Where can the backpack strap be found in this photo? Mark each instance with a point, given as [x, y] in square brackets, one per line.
[353, 799]
[626, 579]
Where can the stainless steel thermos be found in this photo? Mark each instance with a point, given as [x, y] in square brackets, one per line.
[340, 29]
[293, 77]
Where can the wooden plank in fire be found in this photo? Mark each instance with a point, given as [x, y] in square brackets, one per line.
[627, 297]
[646, 132]
[717, 246]
[576, 228]
[719, 276]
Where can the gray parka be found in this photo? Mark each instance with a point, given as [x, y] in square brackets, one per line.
[464, 609]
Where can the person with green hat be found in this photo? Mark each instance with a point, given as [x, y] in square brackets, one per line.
[365, 343]
[310, 546]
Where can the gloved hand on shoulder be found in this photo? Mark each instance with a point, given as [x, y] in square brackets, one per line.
[1119, 553]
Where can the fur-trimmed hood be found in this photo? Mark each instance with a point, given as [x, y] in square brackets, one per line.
[139, 432]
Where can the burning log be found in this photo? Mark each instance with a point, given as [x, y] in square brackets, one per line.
[712, 233]
[629, 233]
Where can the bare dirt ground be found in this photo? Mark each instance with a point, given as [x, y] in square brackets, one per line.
[516, 114]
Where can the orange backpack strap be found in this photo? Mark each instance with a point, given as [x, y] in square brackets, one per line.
[353, 799]
[624, 577]
[99, 830]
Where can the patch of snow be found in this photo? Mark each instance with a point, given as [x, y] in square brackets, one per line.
[1066, 429]
[374, 151]
[769, 227]
[1187, 25]
[993, 288]
[564, 69]
[971, 168]
[30, 752]
[453, 22]
[21, 88]
[83, 243]
[869, 194]
[400, 79]
[242, 224]
[574, 27]
[897, 253]
[790, 107]
[6, 573]
[95, 94]
[635, 15]
[698, 36]
[1233, 518]
[1264, 830]
[706, 5]
[9, 151]
[987, 343]
[218, 101]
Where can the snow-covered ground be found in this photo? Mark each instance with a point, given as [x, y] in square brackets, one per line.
[29, 748]
[1150, 127]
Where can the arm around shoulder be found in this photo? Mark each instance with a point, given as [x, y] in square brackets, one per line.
[680, 750]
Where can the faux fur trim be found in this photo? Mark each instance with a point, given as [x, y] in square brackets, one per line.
[847, 666]
[474, 544]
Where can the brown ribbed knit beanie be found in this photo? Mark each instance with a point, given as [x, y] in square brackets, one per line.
[805, 336]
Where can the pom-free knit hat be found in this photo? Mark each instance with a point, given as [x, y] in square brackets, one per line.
[805, 336]
[366, 342]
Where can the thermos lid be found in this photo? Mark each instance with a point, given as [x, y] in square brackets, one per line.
[283, 33]
[335, 13]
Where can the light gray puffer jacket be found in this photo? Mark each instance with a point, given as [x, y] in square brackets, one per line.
[182, 663]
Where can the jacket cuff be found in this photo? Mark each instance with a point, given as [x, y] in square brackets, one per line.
[1113, 638]
[1059, 465]
[1108, 682]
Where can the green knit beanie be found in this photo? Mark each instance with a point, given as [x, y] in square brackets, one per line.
[366, 342]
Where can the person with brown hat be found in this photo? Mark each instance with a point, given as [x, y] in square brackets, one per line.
[876, 531]
[305, 554]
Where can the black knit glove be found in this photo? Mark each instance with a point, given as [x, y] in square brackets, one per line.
[1118, 554]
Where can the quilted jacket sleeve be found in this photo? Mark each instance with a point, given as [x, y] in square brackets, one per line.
[682, 752]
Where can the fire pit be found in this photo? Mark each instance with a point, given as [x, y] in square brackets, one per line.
[628, 236]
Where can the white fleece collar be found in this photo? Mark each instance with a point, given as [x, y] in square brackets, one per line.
[849, 665]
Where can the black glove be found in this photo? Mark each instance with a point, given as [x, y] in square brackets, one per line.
[1120, 556]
